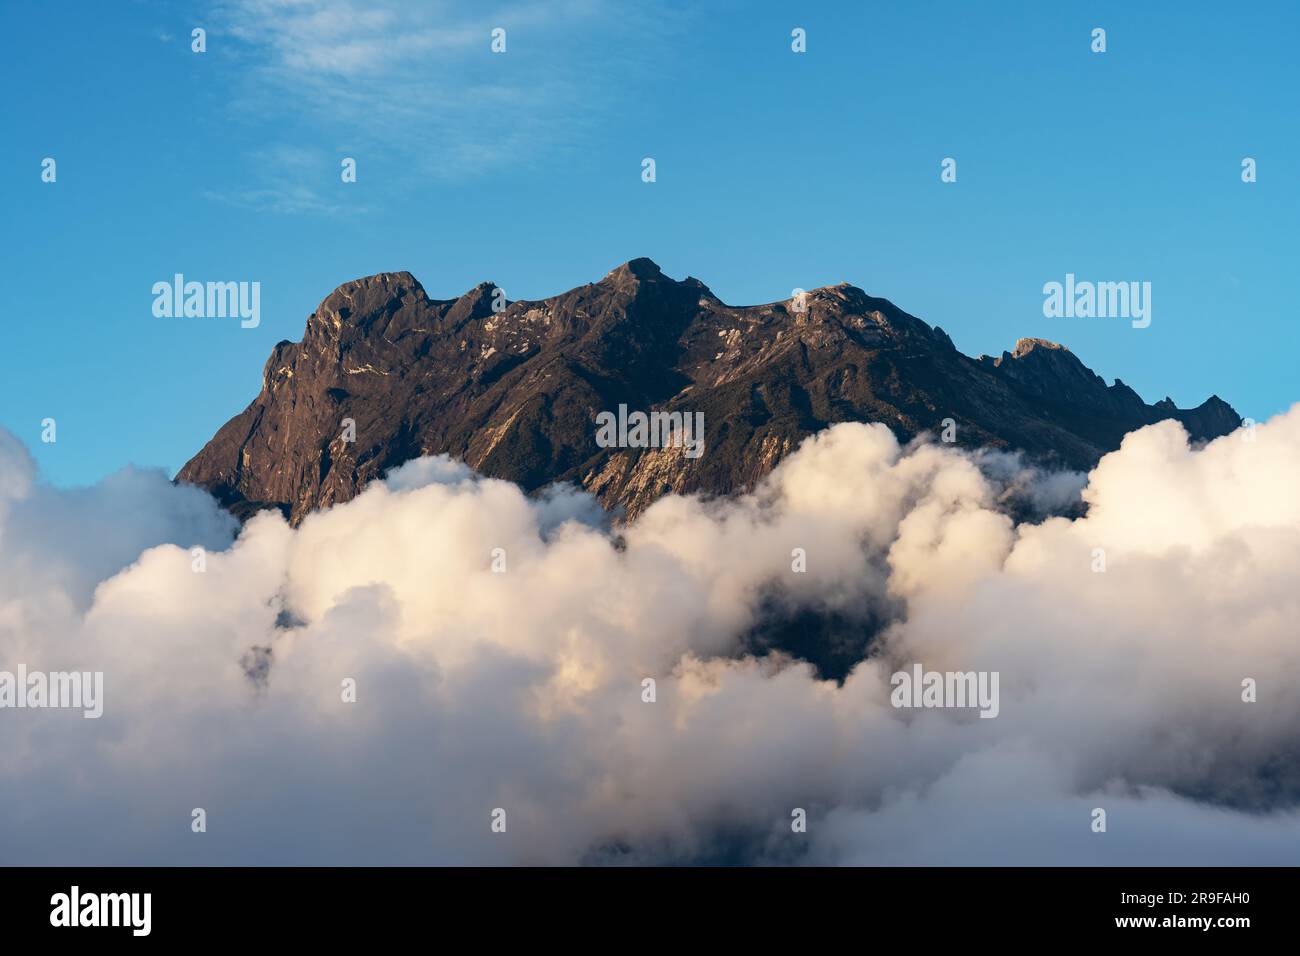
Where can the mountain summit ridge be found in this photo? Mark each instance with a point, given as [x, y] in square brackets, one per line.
[513, 389]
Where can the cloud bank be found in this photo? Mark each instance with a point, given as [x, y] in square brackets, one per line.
[498, 646]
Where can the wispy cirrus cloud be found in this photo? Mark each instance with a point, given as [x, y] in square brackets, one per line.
[291, 180]
[417, 85]
[320, 38]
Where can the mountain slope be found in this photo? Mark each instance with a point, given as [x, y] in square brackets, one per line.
[515, 392]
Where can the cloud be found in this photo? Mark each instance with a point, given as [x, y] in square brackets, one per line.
[413, 90]
[521, 689]
[348, 39]
[290, 180]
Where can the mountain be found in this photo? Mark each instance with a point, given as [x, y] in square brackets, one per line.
[514, 390]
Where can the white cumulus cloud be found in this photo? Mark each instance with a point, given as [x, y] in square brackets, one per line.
[521, 689]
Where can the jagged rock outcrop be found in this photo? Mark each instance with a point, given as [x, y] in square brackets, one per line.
[515, 392]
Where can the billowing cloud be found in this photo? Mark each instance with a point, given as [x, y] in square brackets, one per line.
[498, 645]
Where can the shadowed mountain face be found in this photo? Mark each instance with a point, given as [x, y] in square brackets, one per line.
[515, 392]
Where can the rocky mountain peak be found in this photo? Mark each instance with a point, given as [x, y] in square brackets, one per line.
[1027, 345]
[639, 268]
[513, 389]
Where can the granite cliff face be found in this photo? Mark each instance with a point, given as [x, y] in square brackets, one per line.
[515, 392]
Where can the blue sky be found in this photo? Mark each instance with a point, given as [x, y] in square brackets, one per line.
[775, 170]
